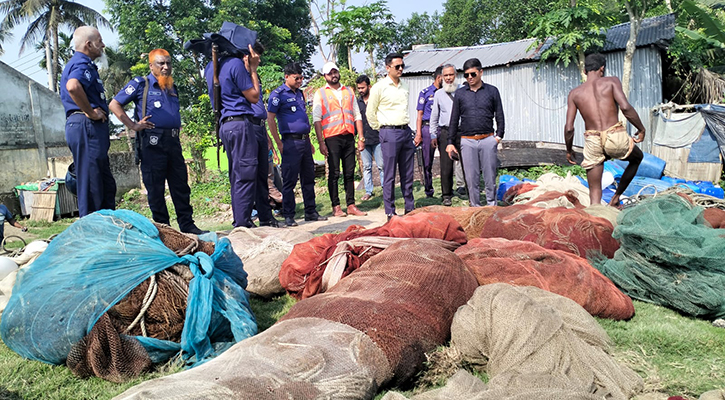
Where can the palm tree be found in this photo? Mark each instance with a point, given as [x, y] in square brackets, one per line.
[46, 17]
[117, 73]
[5, 34]
[65, 53]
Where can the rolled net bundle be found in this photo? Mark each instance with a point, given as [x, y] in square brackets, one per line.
[520, 263]
[670, 256]
[302, 272]
[571, 230]
[263, 250]
[470, 218]
[537, 344]
[302, 358]
[114, 264]
[403, 298]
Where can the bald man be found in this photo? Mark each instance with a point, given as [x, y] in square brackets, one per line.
[86, 126]
[157, 136]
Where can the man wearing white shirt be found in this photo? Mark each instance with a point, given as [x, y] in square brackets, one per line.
[439, 122]
[336, 114]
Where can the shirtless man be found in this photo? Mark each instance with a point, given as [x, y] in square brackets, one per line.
[598, 100]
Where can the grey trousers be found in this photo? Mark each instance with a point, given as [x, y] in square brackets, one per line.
[458, 172]
[477, 156]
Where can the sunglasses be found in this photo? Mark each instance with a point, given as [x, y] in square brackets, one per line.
[399, 67]
[471, 74]
[298, 78]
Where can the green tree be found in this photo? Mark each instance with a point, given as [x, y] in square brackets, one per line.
[117, 73]
[567, 34]
[462, 23]
[65, 52]
[195, 136]
[46, 18]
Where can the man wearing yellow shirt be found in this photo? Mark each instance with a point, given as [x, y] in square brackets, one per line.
[387, 112]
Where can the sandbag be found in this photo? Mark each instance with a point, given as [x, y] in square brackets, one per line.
[571, 230]
[263, 250]
[548, 182]
[403, 298]
[470, 218]
[522, 263]
[539, 345]
[301, 273]
[303, 358]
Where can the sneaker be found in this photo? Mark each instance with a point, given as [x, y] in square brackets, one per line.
[447, 201]
[272, 222]
[194, 230]
[353, 210]
[315, 217]
[366, 197]
[290, 221]
[337, 212]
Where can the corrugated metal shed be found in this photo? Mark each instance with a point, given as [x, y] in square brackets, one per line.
[655, 30]
[534, 95]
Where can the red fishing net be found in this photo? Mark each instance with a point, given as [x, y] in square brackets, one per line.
[301, 274]
[404, 299]
[528, 264]
[470, 218]
[571, 230]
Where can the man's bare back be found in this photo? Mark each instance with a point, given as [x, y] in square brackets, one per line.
[596, 103]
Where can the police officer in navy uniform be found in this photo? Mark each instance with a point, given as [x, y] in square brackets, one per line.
[161, 157]
[424, 107]
[287, 104]
[86, 126]
[246, 150]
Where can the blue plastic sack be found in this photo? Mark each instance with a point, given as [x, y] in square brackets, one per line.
[95, 263]
[650, 167]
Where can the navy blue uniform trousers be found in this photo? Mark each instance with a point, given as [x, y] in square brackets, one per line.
[297, 161]
[89, 142]
[261, 198]
[162, 161]
[398, 152]
[428, 154]
[247, 154]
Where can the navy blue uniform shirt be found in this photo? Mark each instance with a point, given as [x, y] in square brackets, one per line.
[161, 105]
[234, 79]
[81, 67]
[290, 109]
[260, 111]
[476, 111]
[425, 101]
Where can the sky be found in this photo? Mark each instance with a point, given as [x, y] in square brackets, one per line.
[27, 62]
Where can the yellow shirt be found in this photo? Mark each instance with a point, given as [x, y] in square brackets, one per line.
[388, 104]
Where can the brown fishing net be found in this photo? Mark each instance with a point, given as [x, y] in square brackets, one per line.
[522, 263]
[403, 298]
[156, 308]
[571, 230]
[470, 218]
[302, 358]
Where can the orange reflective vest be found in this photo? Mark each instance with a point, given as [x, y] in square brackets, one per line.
[337, 116]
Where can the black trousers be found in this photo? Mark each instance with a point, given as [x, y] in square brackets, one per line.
[341, 148]
[446, 164]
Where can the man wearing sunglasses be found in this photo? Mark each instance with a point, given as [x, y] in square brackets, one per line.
[474, 108]
[287, 104]
[387, 112]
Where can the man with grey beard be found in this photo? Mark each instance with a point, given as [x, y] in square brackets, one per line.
[439, 122]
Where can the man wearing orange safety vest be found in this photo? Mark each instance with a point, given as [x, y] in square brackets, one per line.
[336, 114]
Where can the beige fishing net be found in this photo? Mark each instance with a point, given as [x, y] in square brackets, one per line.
[302, 358]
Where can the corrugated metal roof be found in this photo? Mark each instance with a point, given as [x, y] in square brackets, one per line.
[654, 30]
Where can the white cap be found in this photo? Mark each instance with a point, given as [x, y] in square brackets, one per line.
[329, 66]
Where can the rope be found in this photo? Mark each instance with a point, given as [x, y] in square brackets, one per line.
[698, 199]
[147, 300]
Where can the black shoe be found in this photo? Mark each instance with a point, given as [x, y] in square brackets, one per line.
[315, 217]
[390, 216]
[427, 195]
[447, 201]
[272, 222]
[408, 211]
[195, 231]
[290, 221]
[461, 191]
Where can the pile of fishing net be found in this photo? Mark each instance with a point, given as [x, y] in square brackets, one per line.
[470, 218]
[572, 230]
[304, 273]
[114, 294]
[669, 255]
[263, 250]
[522, 263]
[534, 345]
[570, 187]
[372, 328]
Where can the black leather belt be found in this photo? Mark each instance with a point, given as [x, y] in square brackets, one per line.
[442, 127]
[295, 136]
[173, 132]
[426, 123]
[394, 127]
[245, 117]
